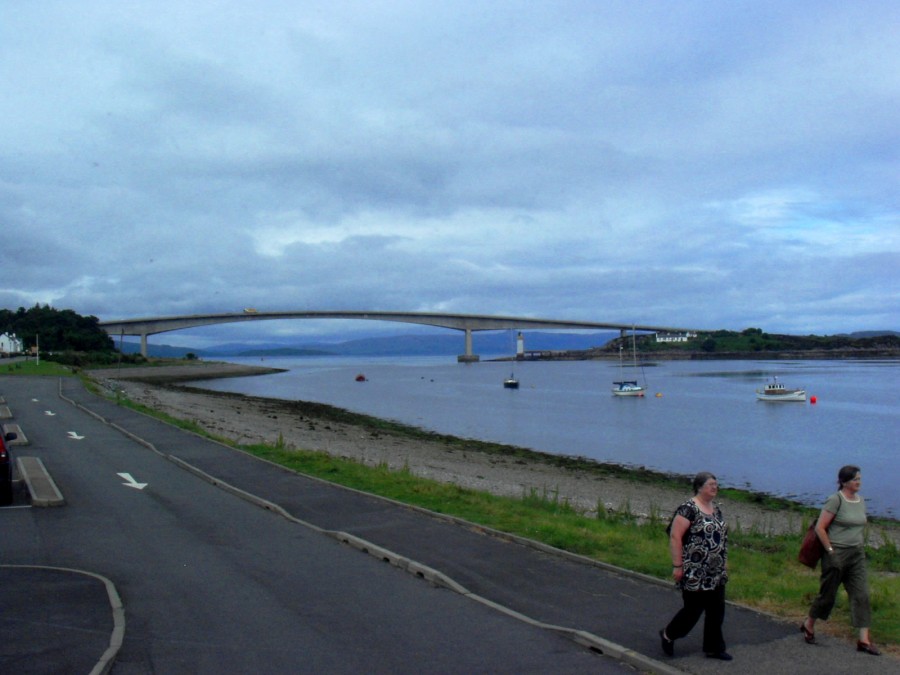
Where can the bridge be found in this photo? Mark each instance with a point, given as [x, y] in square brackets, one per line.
[468, 323]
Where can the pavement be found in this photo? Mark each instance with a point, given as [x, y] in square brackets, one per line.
[73, 616]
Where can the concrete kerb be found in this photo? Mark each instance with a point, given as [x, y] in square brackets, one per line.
[41, 486]
[21, 438]
[584, 638]
[117, 636]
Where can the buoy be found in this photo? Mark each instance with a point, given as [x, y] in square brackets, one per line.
[659, 394]
[812, 399]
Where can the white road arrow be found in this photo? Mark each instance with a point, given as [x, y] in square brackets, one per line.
[50, 413]
[131, 482]
[74, 436]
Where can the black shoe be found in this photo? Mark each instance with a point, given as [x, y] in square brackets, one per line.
[868, 648]
[722, 656]
[668, 646]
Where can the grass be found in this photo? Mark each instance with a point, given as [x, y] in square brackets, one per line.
[764, 570]
[32, 367]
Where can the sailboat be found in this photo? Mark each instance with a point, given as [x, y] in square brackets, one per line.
[511, 382]
[628, 387]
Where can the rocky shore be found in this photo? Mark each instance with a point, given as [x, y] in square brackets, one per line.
[310, 426]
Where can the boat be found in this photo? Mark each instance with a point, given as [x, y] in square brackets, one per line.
[628, 387]
[511, 382]
[361, 378]
[775, 391]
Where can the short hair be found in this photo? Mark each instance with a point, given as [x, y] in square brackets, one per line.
[846, 474]
[700, 480]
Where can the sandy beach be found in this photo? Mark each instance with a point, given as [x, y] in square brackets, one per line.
[249, 420]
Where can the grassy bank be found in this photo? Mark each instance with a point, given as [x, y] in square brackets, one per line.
[32, 367]
[764, 570]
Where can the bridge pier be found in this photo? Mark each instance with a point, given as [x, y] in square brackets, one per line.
[468, 357]
[144, 345]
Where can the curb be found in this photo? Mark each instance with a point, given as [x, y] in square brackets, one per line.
[41, 487]
[117, 636]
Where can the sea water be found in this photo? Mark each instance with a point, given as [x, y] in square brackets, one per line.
[696, 416]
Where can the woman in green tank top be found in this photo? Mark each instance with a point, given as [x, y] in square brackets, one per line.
[841, 529]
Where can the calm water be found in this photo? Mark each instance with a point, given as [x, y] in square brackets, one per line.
[706, 418]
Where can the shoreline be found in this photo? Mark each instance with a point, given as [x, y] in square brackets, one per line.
[489, 467]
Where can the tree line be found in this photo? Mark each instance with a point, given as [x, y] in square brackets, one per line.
[55, 330]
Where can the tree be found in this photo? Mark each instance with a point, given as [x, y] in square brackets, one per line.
[56, 330]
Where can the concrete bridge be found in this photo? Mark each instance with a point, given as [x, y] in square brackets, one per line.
[468, 323]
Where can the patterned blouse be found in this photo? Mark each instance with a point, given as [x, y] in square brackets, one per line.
[704, 550]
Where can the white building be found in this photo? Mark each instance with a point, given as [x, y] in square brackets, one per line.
[10, 344]
[675, 337]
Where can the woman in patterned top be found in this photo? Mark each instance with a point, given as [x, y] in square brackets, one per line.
[698, 543]
[841, 529]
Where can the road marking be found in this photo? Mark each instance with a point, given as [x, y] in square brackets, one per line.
[131, 482]
[73, 435]
[50, 413]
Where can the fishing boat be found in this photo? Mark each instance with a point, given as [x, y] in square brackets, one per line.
[775, 391]
[628, 387]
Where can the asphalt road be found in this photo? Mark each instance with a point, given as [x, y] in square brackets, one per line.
[211, 583]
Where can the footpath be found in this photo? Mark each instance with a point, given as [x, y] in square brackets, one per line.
[601, 607]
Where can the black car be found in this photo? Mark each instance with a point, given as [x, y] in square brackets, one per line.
[6, 469]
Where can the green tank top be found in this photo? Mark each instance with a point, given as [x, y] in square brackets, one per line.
[848, 527]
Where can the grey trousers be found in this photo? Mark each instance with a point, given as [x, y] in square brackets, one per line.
[845, 566]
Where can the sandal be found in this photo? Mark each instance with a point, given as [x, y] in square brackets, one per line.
[808, 635]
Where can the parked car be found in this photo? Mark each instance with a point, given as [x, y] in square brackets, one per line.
[6, 468]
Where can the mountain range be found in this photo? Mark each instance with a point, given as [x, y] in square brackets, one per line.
[397, 345]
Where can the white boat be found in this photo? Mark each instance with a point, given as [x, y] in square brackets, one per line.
[628, 387]
[775, 391]
[511, 382]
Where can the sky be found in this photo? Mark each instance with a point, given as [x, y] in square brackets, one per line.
[713, 165]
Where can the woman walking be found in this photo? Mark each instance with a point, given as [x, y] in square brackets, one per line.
[698, 544]
[840, 528]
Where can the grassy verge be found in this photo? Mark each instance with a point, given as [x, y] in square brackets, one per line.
[764, 570]
[32, 367]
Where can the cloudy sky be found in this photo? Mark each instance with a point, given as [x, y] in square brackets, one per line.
[703, 164]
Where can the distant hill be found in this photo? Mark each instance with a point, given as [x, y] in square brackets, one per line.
[754, 343]
[397, 345]
[870, 334]
[581, 345]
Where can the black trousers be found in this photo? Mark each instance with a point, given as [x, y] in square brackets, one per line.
[695, 604]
